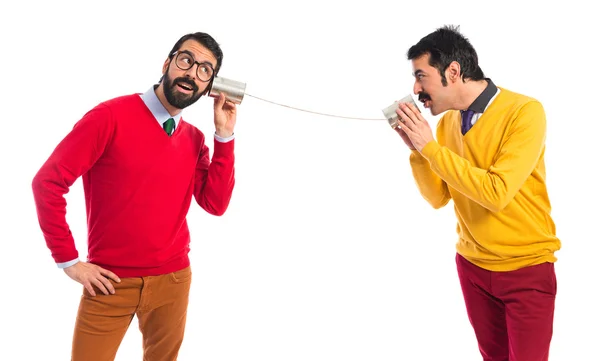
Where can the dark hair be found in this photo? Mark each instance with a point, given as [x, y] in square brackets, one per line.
[207, 41]
[445, 45]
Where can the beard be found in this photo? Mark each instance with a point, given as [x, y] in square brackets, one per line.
[176, 98]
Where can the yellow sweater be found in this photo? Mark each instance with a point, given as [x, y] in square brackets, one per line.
[495, 175]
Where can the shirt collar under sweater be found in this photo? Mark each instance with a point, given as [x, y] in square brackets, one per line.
[157, 109]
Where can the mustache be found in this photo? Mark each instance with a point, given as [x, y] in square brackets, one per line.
[186, 81]
[424, 96]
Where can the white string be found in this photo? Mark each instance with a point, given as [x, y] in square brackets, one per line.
[309, 111]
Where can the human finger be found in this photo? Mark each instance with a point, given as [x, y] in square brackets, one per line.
[98, 283]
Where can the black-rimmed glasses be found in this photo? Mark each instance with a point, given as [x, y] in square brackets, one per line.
[185, 61]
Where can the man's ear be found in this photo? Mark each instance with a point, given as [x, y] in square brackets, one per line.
[166, 66]
[453, 72]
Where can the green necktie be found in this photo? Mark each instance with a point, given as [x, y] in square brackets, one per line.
[169, 125]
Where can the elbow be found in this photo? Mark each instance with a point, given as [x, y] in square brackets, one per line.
[493, 208]
[438, 205]
[438, 202]
[47, 177]
[217, 209]
[496, 199]
[37, 183]
[497, 202]
[218, 212]
[34, 183]
[212, 210]
[436, 199]
[497, 206]
[496, 193]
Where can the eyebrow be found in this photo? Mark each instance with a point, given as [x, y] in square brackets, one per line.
[193, 57]
[418, 71]
[187, 52]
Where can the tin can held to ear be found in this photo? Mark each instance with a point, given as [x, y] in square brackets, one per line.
[390, 112]
[234, 90]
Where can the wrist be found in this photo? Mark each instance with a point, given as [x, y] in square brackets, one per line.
[70, 263]
[223, 133]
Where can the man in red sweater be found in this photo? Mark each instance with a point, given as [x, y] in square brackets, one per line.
[141, 164]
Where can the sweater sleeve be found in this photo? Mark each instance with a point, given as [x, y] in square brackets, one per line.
[495, 187]
[215, 179]
[432, 188]
[71, 158]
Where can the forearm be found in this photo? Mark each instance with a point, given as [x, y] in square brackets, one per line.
[492, 188]
[214, 185]
[477, 184]
[48, 192]
[433, 189]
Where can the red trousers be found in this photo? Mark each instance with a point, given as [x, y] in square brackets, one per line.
[512, 312]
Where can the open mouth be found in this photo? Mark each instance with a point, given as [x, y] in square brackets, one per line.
[425, 99]
[185, 87]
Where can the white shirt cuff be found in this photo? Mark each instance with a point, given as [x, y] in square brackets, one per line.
[224, 140]
[67, 264]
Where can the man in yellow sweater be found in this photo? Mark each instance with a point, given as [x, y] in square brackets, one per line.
[489, 159]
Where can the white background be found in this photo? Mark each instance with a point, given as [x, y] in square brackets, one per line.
[327, 251]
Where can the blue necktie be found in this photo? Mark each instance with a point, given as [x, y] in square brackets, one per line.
[467, 116]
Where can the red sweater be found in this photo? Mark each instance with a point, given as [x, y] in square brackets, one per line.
[138, 184]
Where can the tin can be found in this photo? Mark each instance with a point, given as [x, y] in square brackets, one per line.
[234, 90]
[390, 111]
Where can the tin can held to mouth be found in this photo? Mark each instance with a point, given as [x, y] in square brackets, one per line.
[390, 112]
[234, 90]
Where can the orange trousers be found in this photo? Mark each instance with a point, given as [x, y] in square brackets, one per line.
[160, 304]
